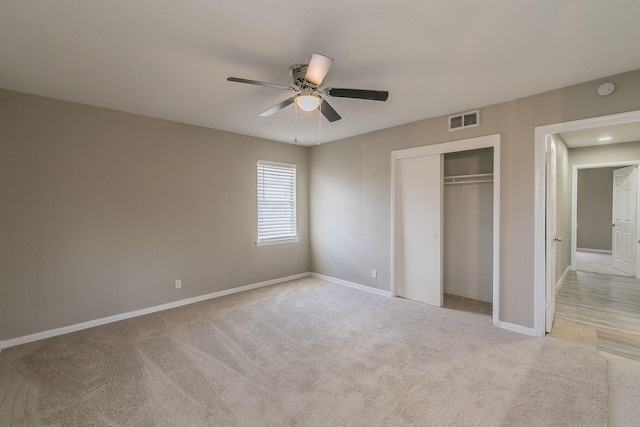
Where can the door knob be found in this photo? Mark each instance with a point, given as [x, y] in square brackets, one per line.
[557, 239]
[613, 224]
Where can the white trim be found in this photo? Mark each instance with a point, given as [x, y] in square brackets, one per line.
[277, 242]
[598, 251]
[115, 318]
[352, 285]
[540, 202]
[452, 147]
[517, 328]
[448, 147]
[270, 163]
[561, 279]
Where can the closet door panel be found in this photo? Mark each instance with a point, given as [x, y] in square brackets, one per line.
[419, 229]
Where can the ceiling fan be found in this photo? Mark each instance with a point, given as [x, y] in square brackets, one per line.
[307, 81]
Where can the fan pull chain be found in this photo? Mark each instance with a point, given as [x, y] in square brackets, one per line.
[319, 120]
[295, 128]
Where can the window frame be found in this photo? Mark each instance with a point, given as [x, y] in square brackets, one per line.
[260, 202]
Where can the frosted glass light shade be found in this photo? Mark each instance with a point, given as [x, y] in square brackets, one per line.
[308, 102]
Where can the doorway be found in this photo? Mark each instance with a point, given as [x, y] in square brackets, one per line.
[604, 218]
[544, 290]
[417, 251]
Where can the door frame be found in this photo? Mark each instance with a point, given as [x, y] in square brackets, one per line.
[441, 149]
[574, 204]
[552, 226]
[539, 205]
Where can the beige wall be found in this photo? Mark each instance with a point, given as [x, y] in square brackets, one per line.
[351, 178]
[100, 211]
[595, 201]
[604, 154]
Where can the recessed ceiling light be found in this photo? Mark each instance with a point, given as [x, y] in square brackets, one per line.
[604, 138]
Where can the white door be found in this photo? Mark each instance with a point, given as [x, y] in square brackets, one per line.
[552, 239]
[419, 229]
[623, 226]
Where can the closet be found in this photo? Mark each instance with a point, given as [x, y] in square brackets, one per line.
[468, 224]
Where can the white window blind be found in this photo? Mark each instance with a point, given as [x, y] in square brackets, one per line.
[276, 202]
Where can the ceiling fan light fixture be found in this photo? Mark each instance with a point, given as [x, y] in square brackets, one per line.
[308, 102]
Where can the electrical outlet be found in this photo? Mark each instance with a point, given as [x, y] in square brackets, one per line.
[178, 284]
[374, 273]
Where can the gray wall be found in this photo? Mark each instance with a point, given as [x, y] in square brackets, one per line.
[351, 187]
[100, 211]
[595, 199]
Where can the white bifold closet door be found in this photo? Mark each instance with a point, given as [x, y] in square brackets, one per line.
[419, 229]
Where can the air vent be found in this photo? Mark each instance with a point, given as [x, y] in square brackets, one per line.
[464, 120]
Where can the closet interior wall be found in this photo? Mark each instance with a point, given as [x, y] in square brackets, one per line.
[468, 224]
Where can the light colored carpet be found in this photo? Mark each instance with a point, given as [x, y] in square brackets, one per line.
[303, 353]
[624, 393]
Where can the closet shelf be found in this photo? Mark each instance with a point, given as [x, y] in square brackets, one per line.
[468, 179]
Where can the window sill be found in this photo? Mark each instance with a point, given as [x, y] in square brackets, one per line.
[276, 242]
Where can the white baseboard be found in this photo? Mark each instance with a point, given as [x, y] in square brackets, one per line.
[561, 279]
[352, 284]
[516, 328]
[599, 251]
[504, 325]
[110, 319]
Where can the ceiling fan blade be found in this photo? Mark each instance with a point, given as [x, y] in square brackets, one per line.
[328, 111]
[319, 66]
[374, 95]
[255, 82]
[278, 107]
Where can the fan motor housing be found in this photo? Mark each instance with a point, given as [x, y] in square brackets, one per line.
[298, 72]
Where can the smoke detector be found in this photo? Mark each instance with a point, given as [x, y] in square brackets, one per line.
[606, 89]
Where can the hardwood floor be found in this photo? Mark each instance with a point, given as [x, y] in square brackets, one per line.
[609, 304]
[597, 262]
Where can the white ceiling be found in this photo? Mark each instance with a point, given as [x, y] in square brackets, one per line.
[170, 59]
[629, 132]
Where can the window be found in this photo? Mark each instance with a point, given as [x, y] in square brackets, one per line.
[276, 203]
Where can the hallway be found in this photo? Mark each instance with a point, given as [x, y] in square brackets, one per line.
[597, 262]
[608, 304]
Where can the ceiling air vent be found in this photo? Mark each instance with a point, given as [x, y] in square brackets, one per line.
[464, 120]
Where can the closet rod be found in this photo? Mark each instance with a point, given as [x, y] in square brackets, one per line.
[475, 181]
[477, 175]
